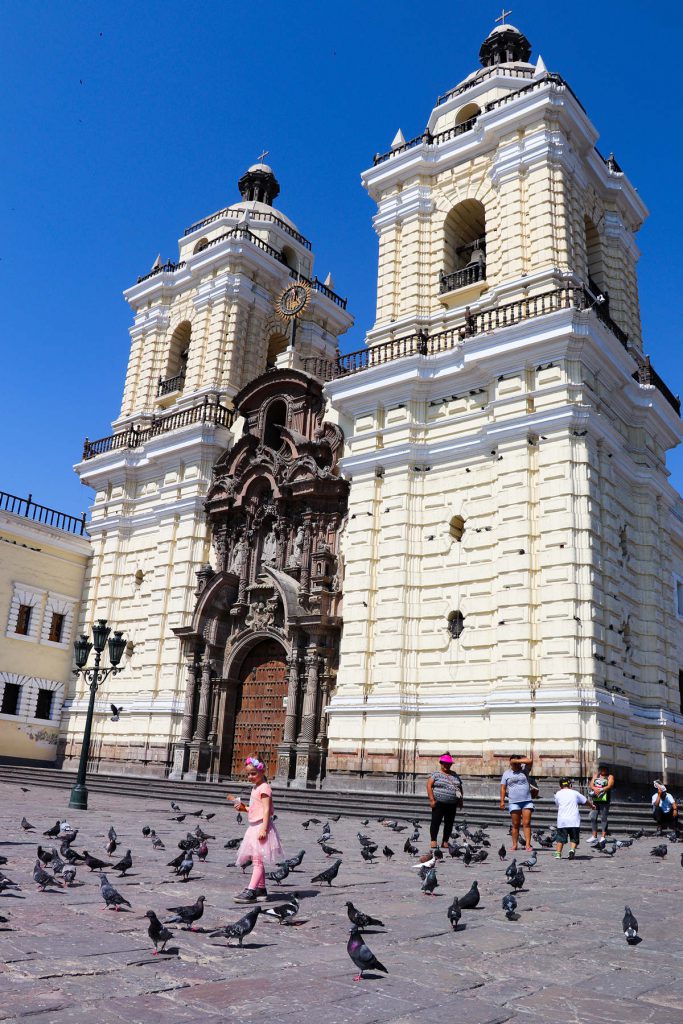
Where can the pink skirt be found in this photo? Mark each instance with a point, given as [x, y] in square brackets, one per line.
[268, 850]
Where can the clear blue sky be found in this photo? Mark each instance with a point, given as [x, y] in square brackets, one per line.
[122, 123]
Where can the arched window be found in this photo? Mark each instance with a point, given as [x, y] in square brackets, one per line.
[456, 527]
[456, 624]
[464, 253]
[594, 263]
[201, 244]
[276, 417]
[277, 343]
[467, 113]
[289, 258]
[176, 360]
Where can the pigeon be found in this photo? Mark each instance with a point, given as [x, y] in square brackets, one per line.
[185, 866]
[310, 821]
[368, 854]
[111, 834]
[177, 861]
[531, 861]
[388, 852]
[201, 835]
[502, 852]
[203, 851]
[68, 876]
[365, 821]
[196, 814]
[279, 874]
[624, 844]
[7, 883]
[659, 851]
[294, 862]
[511, 869]
[329, 874]
[240, 929]
[72, 856]
[158, 844]
[45, 856]
[426, 862]
[362, 957]
[239, 819]
[186, 916]
[467, 856]
[157, 932]
[454, 913]
[57, 865]
[330, 850]
[479, 856]
[362, 920]
[54, 831]
[471, 898]
[115, 712]
[510, 906]
[41, 877]
[146, 831]
[232, 844]
[174, 807]
[284, 912]
[517, 880]
[94, 863]
[179, 817]
[639, 834]
[27, 826]
[409, 848]
[430, 883]
[3, 860]
[111, 896]
[110, 846]
[67, 836]
[630, 927]
[125, 864]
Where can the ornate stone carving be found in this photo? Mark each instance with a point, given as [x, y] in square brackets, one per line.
[261, 614]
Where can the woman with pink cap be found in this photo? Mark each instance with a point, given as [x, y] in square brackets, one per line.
[444, 789]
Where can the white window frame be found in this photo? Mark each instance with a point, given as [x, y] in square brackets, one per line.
[28, 698]
[24, 593]
[64, 605]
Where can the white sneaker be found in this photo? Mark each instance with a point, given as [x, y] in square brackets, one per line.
[592, 841]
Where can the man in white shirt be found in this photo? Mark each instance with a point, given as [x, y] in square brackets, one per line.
[664, 808]
[568, 817]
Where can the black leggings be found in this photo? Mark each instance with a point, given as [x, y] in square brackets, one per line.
[442, 813]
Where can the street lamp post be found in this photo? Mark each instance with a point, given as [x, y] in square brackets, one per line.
[95, 676]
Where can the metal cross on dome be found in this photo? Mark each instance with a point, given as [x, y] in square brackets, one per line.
[265, 152]
[503, 15]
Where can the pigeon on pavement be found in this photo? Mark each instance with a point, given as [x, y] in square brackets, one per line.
[630, 927]
[157, 932]
[125, 864]
[329, 850]
[531, 861]
[27, 826]
[363, 958]
[368, 854]
[430, 883]
[186, 916]
[360, 919]
[294, 862]
[41, 877]
[502, 852]
[510, 906]
[284, 912]
[68, 876]
[388, 852]
[471, 898]
[94, 863]
[454, 913]
[659, 851]
[185, 866]
[329, 874]
[54, 831]
[111, 896]
[517, 880]
[511, 869]
[279, 874]
[240, 929]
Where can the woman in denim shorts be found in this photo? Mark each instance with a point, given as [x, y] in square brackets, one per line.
[515, 785]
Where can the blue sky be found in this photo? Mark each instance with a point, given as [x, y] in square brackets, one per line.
[123, 123]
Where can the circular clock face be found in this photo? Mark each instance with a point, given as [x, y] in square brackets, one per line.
[293, 300]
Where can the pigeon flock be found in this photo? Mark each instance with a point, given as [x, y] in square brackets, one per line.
[62, 863]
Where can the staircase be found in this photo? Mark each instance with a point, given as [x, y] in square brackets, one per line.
[624, 816]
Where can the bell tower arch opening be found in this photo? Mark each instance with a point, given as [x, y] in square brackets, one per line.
[464, 245]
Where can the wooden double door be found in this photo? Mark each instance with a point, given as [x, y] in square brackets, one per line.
[260, 707]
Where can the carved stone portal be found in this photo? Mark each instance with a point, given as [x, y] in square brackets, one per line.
[267, 621]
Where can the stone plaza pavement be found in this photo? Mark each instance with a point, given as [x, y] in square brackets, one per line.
[63, 959]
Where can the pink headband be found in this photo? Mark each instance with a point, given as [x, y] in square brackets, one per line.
[255, 763]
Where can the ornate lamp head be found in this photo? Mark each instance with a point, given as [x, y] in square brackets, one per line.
[100, 633]
[82, 649]
[117, 646]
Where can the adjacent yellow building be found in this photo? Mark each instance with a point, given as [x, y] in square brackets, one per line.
[43, 558]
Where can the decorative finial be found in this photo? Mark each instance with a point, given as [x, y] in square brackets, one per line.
[503, 15]
[266, 152]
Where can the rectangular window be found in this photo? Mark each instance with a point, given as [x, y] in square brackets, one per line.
[10, 699]
[44, 705]
[23, 619]
[56, 628]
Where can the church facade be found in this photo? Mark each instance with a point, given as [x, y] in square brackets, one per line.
[483, 486]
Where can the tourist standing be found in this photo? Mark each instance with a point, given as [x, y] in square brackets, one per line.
[516, 786]
[261, 843]
[600, 789]
[568, 828]
[444, 789]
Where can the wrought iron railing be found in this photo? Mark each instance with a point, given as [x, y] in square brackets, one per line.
[647, 376]
[318, 286]
[323, 369]
[166, 387]
[241, 211]
[428, 139]
[165, 268]
[482, 76]
[206, 412]
[29, 509]
[461, 278]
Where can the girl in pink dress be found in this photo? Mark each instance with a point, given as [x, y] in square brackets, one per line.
[261, 841]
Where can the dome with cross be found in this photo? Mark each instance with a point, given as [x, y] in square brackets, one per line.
[504, 44]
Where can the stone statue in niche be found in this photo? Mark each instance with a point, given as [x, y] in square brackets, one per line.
[237, 555]
[297, 548]
[269, 551]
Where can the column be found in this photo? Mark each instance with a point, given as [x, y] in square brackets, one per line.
[204, 695]
[180, 749]
[286, 749]
[307, 753]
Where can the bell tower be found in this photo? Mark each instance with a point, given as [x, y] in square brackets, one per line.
[506, 441]
[205, 325]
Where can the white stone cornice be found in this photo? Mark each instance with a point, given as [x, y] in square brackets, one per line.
[614, 227]
[148, 320]
[40, 533]
[413, 201]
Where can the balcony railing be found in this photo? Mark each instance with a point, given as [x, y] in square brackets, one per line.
[482, 76]
[166, 387]
[461, 278]
[647, 376]
[166, 268]
[206, 412]
[252, 215]
[323, 369]
[318, 286]
[28, 508]
[428, 139]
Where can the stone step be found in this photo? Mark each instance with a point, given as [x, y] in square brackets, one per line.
[312, 802]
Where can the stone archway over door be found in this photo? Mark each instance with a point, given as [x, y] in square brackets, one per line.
[260, 710]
